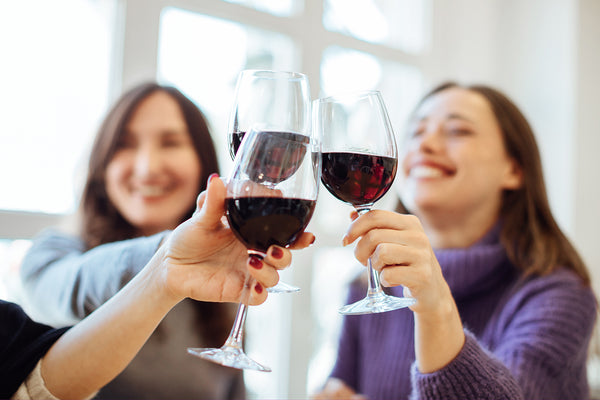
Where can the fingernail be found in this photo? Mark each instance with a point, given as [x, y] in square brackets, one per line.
[255, 262]
[276, 252]
[258, 287]
[313, 240]
[211, 176]
[345, 240]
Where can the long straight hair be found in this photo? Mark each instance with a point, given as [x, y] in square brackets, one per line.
[102, 223]
[533, 240]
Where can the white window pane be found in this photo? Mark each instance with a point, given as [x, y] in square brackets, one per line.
[401, 85]
[54, 77]
[396, 23]
[206, 70]
[281, 8]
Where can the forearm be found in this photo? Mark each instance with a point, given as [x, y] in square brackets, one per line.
[97, 349]
[439, 337]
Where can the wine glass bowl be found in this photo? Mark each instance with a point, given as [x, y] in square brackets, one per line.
[277, 99]
[268, 203]
[359, 164]
[280, 99]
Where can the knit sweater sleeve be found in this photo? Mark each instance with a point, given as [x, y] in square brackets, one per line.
[540, 353]
[346, 366]
[64, 283]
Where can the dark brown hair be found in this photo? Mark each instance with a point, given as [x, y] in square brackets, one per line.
[102, 223]
[533, 240]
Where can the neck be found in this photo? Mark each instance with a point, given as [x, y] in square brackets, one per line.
[451, 230]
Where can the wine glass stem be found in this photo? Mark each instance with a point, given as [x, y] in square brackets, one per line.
[236, 336]
[373, 274]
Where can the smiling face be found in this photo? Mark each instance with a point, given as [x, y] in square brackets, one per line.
[153, 177]
[454, 163]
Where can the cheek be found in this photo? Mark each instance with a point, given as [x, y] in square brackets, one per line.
[116, 171]
[189, 171]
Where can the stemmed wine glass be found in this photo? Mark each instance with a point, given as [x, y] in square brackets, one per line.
[359, 162]
[279, 99]
[271, 197]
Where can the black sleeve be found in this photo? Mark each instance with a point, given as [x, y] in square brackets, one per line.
[23, 342]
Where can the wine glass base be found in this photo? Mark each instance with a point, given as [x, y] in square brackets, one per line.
[378, 303]
[228, 356]
[283, 287]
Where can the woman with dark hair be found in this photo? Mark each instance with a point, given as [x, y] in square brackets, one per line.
[151, 158]
[504, 304]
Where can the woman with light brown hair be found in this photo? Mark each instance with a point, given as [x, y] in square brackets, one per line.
[504, 304]
[151, 158]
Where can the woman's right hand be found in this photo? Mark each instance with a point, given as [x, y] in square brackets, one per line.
[398, 247]
[202, 259]
[337, 389]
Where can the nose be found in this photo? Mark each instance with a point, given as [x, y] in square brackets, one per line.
[147, 161]
[431, 140]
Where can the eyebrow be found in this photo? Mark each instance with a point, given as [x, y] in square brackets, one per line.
[450, 116]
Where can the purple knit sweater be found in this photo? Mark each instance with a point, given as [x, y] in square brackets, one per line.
[525, 339]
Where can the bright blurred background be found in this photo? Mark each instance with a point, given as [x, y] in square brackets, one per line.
[65, 61]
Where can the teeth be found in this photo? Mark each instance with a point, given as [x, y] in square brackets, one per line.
[151, 191]
[423, 171]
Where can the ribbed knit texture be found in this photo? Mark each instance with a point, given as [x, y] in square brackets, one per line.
[526, 339]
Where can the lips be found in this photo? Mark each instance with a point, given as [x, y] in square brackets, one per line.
[151, 190]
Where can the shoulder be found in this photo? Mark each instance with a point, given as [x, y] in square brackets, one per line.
[558, 305]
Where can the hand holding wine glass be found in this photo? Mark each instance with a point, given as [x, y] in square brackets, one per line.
[359, 162]
[271, 196]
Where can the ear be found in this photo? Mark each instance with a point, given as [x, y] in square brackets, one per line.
[513, 177]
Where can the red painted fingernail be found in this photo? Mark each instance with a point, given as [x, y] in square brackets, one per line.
[276, 252]
[313, 239]
[211, 176]
[258, 287]
[255, 262]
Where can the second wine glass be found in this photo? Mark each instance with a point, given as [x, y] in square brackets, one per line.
[271, 197]
[359, 162]
[277, 99]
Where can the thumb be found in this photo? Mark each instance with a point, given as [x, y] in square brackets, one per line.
[212, 204]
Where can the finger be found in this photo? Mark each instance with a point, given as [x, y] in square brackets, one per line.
[258, 295]
[213, 206]
[379, 219]
[262, 272]
[367, 245]
[278, 257]
[200, 201]
[305, 240]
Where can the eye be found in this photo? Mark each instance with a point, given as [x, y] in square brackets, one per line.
[173, 140]
[458, 131]
[126, 142]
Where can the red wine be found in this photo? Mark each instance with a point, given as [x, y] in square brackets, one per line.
[282, 154]
[357, 178]
[260, 222]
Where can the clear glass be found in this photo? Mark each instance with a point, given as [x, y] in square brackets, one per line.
[359, 163]
[401, 24]
[278, 99]
[271, 196]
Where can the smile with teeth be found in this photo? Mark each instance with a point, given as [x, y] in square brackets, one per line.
[426, 171]
[151, 190]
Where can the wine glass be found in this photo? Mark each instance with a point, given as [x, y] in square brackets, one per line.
[279, 99]
[359, 162]
[271, 197]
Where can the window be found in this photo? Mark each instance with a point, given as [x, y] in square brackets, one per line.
[55, 86]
